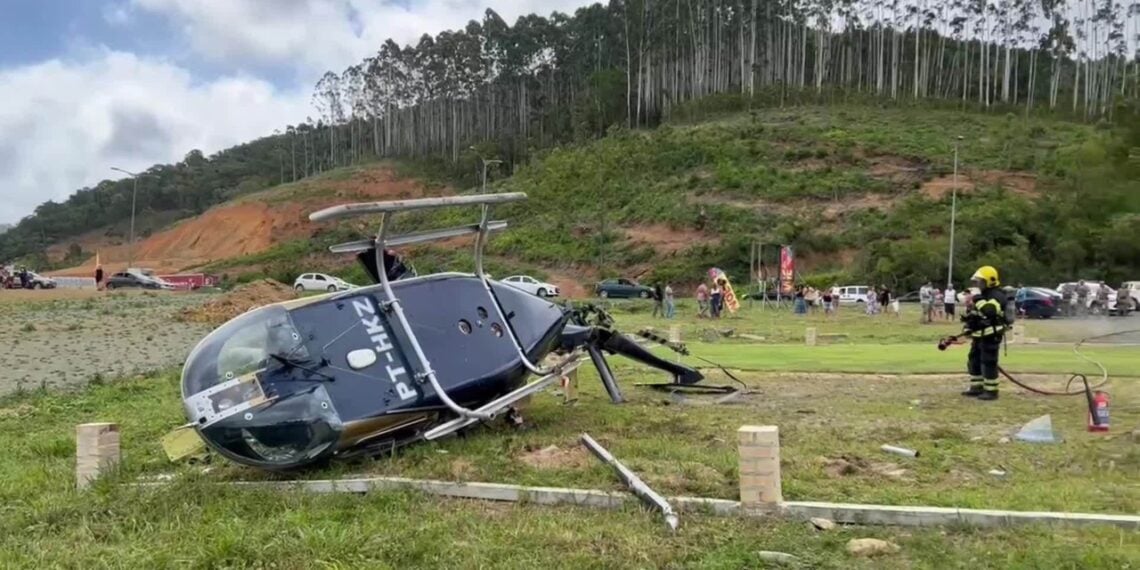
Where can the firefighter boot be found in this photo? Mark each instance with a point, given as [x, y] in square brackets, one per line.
[989, 390]
[975, 387]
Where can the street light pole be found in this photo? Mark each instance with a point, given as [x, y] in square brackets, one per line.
[953, 212]
[134, 196]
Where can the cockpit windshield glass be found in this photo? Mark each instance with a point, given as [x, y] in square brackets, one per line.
[244, 345]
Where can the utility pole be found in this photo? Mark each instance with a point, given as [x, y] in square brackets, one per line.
[134, 195]
[953, 212]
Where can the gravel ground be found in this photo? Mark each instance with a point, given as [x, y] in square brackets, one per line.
[65, 339]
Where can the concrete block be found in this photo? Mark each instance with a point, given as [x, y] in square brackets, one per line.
[96, 451]
[759, 460]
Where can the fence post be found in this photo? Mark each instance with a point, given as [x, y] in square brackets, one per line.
[809, 336]
[759, 449]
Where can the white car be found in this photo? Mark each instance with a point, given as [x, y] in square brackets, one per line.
[851, 293]
[321, 282]
[531, 285]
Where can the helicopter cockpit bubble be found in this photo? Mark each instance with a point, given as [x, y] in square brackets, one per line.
[254, 395]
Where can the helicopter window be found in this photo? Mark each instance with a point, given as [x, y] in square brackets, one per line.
[257, 340]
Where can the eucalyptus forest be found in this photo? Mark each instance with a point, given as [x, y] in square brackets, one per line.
[494, 89]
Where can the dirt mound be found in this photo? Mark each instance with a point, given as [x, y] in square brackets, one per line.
[238, 301]
[846, 466]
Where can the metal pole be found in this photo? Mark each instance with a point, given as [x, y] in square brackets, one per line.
[953, 213]
[131, 246]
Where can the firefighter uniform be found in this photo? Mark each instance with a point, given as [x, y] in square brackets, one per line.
[985, 323]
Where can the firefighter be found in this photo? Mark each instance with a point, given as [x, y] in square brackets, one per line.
[985, 322]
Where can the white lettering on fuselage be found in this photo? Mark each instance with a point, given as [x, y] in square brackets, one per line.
[383, 346]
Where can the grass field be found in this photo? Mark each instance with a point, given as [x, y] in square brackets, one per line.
[831, 424]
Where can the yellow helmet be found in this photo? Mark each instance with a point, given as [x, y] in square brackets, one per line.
[987, 276]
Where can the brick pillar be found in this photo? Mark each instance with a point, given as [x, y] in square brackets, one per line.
[96, 451]
[759, 467]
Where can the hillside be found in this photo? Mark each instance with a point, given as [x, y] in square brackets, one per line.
[860, 192]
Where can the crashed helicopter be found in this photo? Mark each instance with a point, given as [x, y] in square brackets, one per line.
[407, 359]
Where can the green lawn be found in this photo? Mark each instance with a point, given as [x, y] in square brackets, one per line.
[831, 428]
[679, 449]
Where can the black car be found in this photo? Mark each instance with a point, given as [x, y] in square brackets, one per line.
[124, 280]
[618, 288]
[1037, 302]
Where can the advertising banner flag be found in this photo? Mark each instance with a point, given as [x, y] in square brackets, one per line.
[730, 300]
[787, 270]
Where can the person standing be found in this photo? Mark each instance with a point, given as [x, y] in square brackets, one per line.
[670, 308]
[925, 298]
[715, 299]
[985, 322]
[949, 299]
[702, 300]
[658, 300]
[99, 277]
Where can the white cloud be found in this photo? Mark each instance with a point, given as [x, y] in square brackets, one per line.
[117, 14]
[66, 123]
[317, 35]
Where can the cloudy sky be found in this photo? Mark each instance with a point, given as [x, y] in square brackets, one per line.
[91, 84]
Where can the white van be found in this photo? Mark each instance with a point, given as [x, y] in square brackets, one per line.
[851, 293]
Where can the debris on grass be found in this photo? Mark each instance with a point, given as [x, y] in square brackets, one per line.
[997, 472]
[1038, 430]
[899, 451]
[777, 557]
[870, 547]
[639, 488]
[822, 523]
[239, 300]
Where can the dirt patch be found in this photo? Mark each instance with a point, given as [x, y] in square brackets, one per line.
[569, 285]
[850, 466]
[241, 299]
[897, 169]
[462, 470]
[1021, 183]
[836, 209]
[666, 240]
[554, 457]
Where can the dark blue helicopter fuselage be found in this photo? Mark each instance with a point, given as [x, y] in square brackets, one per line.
[457, 327]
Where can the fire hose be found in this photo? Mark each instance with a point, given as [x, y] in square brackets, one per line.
[956, 339]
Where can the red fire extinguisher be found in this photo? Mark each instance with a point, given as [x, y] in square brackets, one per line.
[1098, 411]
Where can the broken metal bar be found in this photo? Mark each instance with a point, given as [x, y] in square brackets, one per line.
[417, 237]
[365, 208]
[634, 482]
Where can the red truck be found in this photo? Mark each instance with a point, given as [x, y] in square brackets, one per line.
[190, 280]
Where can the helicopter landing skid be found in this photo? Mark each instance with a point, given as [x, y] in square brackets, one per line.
[690, 388]
[497, 406]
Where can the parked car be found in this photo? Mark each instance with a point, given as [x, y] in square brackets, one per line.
[532, 285]
[851, 293]
[622, 288]
[35, 281]
[1037, 302]
[911, 297]
[127, 280]
[321, 282]
[38, 281]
